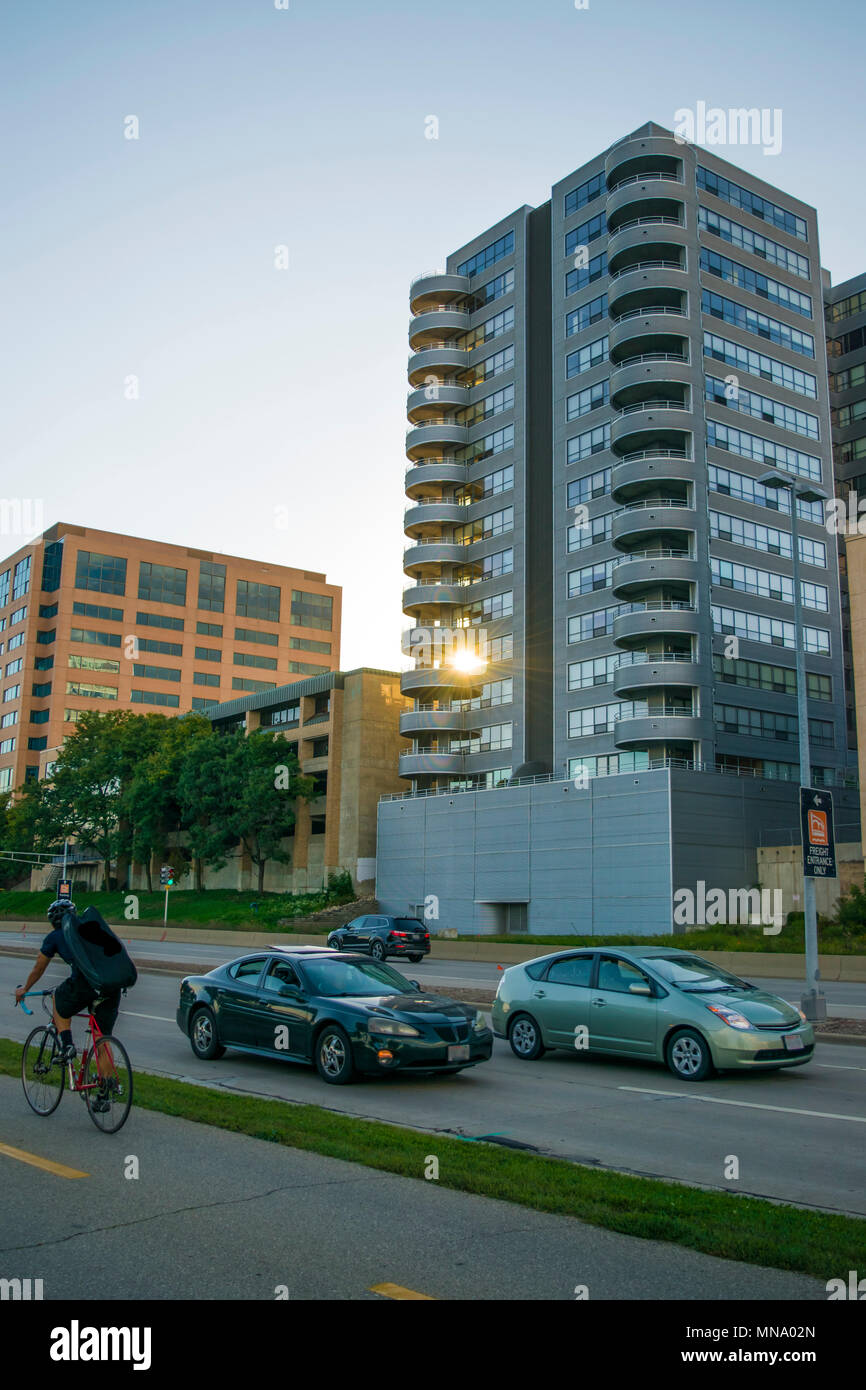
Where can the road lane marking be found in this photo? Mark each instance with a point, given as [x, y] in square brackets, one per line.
[127, 1013]
[748, 1105]
[397, 1291]
[47, 1164]
[831, 1066]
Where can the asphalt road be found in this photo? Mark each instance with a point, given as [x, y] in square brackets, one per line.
[844, 999]
[798, 1135]
[218, 1215]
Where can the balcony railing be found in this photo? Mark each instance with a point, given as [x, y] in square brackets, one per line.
[646, 178]
[641, 710]
[651, 220]
[644, 658]
[679, 502]
[649, 357]
[654, 454]
[646, 265]
[650, 309]
[667, 554]
[659, 605]
[658, 404]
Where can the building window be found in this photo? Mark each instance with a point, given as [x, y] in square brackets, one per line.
[91, 692]
[306, 668]
[312, 610]
[739, 197]
[79, 662]
[94, 636]
[39, 716]
[21, 578]
[154, 697]
[150, 644]
[156, 673]
[258, 601]
[265, 663]
[287, 715]
[40, 691]
[205, 678]
[212, 586]
[162, 584]
[105, 573]
[250, 634]
[4, 587]
[492, 253]
[209, 629]
[307, 644]
[52, 562]
[320, 748]
[144, 619]
[48, 610]
[586, 357]
[242, 683]
[95, 610]
[208, 654]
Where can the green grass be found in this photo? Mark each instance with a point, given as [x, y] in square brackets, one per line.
[734, 1228]
[186, 908]
[832, 940]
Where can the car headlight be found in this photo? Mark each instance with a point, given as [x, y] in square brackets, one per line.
[802, 1015]
[729, 1016]
[480, 1022]
[391, 1028]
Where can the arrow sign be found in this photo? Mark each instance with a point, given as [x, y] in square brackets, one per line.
[819, 841]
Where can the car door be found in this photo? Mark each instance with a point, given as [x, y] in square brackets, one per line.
[239, 1002]
[560, 1002]
[355, 936]
[285, 1014]
[623, 1015]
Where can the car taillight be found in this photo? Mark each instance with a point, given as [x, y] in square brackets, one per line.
[400, 933]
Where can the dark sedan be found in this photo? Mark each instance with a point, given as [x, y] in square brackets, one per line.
[383, 936]
[343, 1014]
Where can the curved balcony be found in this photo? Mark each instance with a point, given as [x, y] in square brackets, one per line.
[645, 369]
[648, 467]
[671, 725]
[632, 573]
[439, 591]
[423, 764]
[437, 288]
[420, 404]
[431, 552]
[425, 513]
[644, 330]
[646, 234]
[428, 717]
[638, 672]
[640, 520]
[429, 472]
[436, 324]
[649, 425]
[656, 618]
[435, 360]
[439, 682]
[433, 436]
[661, 199]
[645, 277]
[646, 150]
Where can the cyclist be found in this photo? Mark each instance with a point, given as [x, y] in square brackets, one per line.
[74, 995]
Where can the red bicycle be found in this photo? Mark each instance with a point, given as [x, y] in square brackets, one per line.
[103, 1079]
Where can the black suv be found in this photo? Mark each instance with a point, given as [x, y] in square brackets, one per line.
[383, 936]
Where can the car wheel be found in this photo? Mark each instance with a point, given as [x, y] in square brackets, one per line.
[415, 959]
[524, 1036]
[377, 950]
[688, 1056]
[334, 1056]
[203, 1037]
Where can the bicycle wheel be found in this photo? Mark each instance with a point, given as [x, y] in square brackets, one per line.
[108, 1083]
[43, 1075]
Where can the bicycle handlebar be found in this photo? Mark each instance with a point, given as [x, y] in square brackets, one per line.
[31, 993]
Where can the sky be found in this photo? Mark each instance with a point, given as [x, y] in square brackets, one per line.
[162, 376]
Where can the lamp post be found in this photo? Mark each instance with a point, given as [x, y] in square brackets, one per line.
[813, 1001]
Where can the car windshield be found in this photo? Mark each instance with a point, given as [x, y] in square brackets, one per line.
[338, 978]
[691, 974]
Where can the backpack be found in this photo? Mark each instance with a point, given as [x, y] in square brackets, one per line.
[97, 952]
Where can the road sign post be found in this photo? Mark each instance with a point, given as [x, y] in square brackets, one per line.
[819, 861]
[166, 880]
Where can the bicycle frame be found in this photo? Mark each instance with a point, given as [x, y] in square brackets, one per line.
[76, 1083]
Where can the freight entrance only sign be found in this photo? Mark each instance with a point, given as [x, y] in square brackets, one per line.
[819, 843]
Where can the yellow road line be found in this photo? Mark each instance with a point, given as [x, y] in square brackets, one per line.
[397, 1291]
[47, 1164]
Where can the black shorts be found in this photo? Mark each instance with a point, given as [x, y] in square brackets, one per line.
[75, 995]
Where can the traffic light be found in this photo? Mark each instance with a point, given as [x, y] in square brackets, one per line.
[166, 876]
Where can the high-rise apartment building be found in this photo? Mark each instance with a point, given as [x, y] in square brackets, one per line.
[598, 387]
[94, 620]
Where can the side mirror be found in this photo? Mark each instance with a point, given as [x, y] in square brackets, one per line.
[416, 985]
[640, 989]
[290, 991]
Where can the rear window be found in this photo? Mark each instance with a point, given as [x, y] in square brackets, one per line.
[408, 924]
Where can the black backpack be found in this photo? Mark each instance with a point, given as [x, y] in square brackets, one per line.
[97, 952]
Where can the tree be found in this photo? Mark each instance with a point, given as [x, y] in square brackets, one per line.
[153, 799]
[204, 793]
[266, 784]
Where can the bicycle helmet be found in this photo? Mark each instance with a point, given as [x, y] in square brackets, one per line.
[58, 910]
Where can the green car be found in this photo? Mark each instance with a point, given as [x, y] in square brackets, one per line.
[649, 1001]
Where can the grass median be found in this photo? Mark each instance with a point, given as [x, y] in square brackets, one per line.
[748, 1229]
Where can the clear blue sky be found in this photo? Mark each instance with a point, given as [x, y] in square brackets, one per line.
[258, 127]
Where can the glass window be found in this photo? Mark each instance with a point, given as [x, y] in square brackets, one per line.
[211, 586]
[572, 970]
[312, 610]
[21, 578]
[619, 975]
[144, 619]
[106, 573]
[247, 970]
[258, 601]
[492, 253]
[162, 584]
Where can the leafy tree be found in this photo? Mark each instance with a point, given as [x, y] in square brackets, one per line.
[266, 783]
[153, 799]
[204, 791]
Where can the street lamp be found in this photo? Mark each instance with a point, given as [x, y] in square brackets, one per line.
[813, 1002]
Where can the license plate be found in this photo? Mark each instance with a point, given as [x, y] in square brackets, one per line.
[793, 1042]
[458, 1052]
